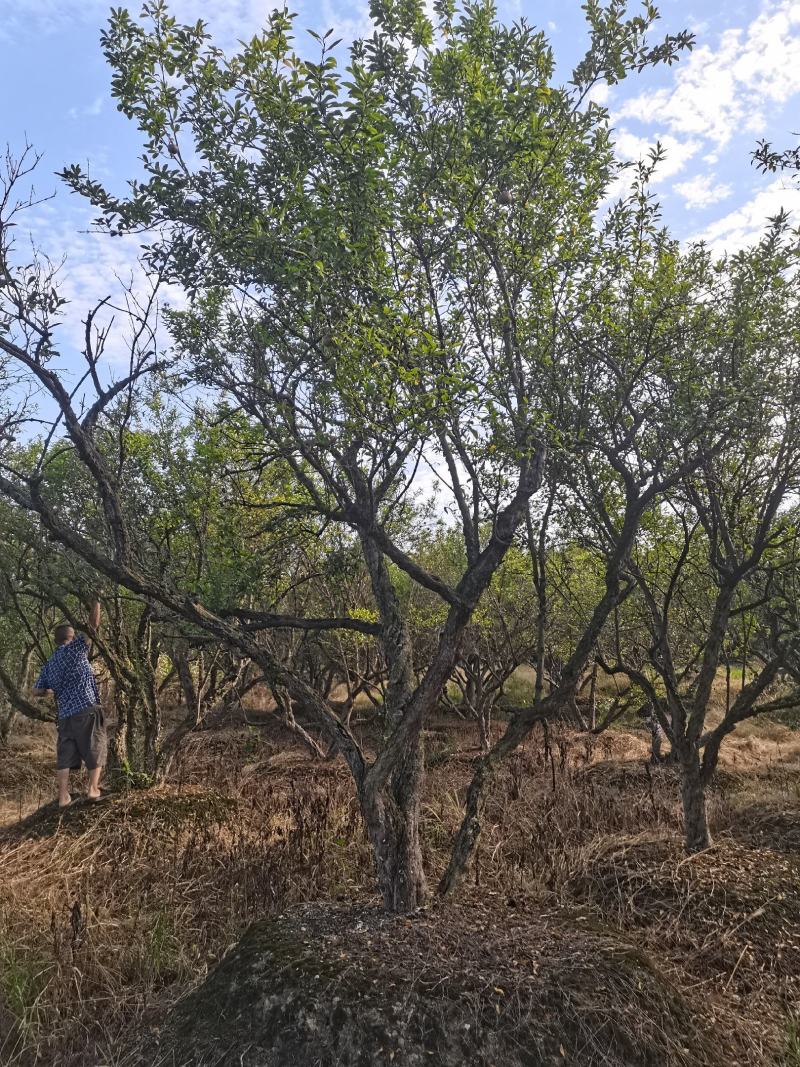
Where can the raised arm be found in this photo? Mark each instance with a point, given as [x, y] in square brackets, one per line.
[94, 615]
[41, 688]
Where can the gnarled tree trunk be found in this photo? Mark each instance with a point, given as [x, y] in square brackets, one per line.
[392, 819]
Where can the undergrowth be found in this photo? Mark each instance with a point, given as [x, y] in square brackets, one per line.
[117, 909]
[112, 912]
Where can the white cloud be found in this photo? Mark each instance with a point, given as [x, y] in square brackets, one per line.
[230, 21]
[701, 191]
[349, 21]
[600, 93]
[676, 153]
[747, 223]
[21, 20]
[631, 148]
[718, 91]
[90, 110]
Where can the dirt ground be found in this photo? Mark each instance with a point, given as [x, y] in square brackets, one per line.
[111, 913]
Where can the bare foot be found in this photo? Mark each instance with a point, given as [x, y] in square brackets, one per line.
[65, 803]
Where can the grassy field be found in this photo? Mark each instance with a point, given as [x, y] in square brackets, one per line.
[109, 914]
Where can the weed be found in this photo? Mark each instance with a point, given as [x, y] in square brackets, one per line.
[793, 1043]
[23, 979]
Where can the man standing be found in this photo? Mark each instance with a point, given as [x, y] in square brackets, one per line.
[81, 725]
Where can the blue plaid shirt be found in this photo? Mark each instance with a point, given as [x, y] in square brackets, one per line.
[70, 676]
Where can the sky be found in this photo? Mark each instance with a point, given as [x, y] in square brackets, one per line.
[740, 83]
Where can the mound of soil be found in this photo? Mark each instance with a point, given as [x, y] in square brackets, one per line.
[157, 810]
[729, 915]
[762, 826]
[351, 986]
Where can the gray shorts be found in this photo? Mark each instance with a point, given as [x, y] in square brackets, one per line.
[82, 739]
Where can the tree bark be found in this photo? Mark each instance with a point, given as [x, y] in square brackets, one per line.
[656, 735]
[393, 813]
[7, 715]
[593, 698]
[693, 796]
[182, 666]
[392, 818]
[409, 887]
[485, 727]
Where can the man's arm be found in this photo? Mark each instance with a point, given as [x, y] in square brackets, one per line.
[94, 615]
[42, 686]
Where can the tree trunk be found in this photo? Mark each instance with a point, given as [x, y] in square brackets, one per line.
[7, 715]
[656, 736]
[150, 740]
[8, 711]
[411, 889]
[118, 749]
[392, 814]
[593, 698]
[693, 795]
[392, 820]
[181, 662]
[485, 724]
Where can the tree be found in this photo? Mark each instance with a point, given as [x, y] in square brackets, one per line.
[713, 556]
[653, 394]
[771, 159]
[383, 270]
[25, 623]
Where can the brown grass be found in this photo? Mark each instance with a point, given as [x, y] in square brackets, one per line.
[110, 913]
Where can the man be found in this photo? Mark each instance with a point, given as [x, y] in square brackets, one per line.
[81, 726]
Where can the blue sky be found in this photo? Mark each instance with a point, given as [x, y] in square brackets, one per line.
[741, 82]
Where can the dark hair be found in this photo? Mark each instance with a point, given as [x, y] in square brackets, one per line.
[62, 632]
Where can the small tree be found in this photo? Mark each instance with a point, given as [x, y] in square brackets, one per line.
[25, 621]
[716, 560]
[499, 639]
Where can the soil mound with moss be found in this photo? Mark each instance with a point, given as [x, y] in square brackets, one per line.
[158, 811]
[350, 986]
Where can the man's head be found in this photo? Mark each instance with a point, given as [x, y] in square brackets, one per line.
[63, 633]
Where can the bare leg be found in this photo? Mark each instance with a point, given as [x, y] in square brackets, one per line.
[62, 777]
[94, 782]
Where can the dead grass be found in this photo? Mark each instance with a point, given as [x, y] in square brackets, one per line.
[26, 777]
[108, 914]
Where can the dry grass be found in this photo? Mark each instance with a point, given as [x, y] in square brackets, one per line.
[112, 912]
